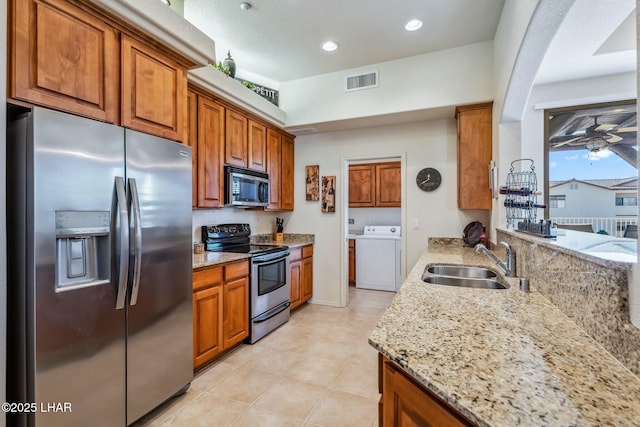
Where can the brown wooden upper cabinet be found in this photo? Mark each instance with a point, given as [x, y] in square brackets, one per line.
[362, 186]
[213, 128]
[192, 141]
[154, 91]
[375, 185]
[246, 142]
[257, 146]
[280, 169]
[388, 185]
[286, 196]
[210, 182]
[206, 139]
[67, 58]
[274, 153]
[474, 155]
[235, 150]
[64, 58]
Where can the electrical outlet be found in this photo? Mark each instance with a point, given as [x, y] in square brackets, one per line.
[415, 223]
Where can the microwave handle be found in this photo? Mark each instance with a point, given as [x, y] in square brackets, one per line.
[263, 192]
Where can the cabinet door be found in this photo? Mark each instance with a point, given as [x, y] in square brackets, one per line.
[236, 311]
[286, 198]
[362, 186]
[307, 278]
[154, 91]
[388, 194]
[274, 152]
[257, 147]
[405, 403]
[295, 282]
[207, 325]
[474, 155]
[192, 141]
[236, 140]
[64, 58]
[210, 154]
[352, 261]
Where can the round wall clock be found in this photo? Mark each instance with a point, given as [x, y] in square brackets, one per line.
[428, 179]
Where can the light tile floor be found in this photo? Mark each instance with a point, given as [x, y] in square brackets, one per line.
[316, 370]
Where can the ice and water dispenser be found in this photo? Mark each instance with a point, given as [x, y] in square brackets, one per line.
[82, 249]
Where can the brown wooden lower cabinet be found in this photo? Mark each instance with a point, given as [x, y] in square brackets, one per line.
[220, 309]
[301, 275]
[405, 402]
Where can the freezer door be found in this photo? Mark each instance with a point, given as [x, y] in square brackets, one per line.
[74, 348]
[160, 327]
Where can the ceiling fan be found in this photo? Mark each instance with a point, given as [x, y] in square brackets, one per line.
[596, 136]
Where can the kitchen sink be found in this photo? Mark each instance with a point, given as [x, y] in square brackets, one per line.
[466, 282]
[462, 271]
[463, 276]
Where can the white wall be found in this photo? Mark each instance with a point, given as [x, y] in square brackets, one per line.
[429, 143]
[449, 77]
[514, 21]
[373, 216]
[634, 277]
[261, 222]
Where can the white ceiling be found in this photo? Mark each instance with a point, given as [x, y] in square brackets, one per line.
[597, 37]
[281, 40]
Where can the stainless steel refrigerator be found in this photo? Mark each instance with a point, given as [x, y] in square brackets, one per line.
[100, 308]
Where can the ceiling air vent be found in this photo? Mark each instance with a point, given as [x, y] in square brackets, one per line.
[361, 81]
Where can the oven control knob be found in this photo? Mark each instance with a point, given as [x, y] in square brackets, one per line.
[393, 229]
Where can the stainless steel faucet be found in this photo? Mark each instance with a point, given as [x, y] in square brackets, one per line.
[509, 267]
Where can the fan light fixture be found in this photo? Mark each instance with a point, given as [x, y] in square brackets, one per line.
[596, 143]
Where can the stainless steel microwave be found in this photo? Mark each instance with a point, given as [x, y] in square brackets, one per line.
[245, 187]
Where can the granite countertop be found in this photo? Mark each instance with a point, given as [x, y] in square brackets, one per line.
[502, 357]
[208, 258]
[291, 240]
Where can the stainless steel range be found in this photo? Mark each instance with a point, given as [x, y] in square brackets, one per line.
[270, 289]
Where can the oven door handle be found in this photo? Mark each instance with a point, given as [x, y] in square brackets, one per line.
[266, 259]
[272, 312]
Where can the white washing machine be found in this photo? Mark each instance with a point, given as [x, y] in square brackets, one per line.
[378, 253]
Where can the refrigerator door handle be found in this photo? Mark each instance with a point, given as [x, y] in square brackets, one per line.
[137, 240]
[123, 212]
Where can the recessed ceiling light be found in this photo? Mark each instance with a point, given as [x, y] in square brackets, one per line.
[330, 46]
[413, 25]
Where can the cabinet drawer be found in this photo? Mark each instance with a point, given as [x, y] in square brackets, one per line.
[307, 251]
[236, 270]
[295, 254]
[206, 278]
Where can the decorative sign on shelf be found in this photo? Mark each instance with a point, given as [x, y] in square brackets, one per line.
[267, 93]
[312, 182]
